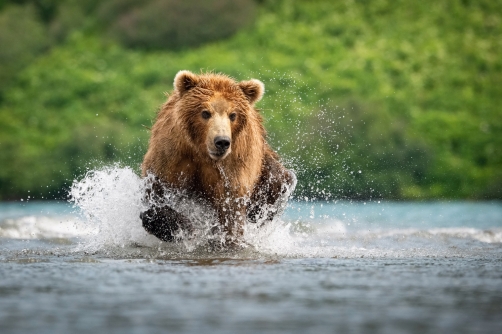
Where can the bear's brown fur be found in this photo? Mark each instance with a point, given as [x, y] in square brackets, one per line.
[209, 141]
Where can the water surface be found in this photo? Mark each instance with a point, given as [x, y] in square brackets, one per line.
[375, 267]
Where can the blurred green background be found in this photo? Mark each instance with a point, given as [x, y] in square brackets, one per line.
[364, 99]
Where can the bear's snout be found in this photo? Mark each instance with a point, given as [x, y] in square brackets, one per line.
[222, 143]
[219, 133]
[221, 147]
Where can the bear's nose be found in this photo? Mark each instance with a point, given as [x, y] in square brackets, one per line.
[222, 143]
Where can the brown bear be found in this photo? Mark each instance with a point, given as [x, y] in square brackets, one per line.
[208, 141]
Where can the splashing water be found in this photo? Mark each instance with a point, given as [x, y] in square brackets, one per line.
[110, 199]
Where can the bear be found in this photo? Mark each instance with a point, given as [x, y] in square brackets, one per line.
[209, 142]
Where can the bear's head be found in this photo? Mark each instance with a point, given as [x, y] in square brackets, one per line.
[214, 110]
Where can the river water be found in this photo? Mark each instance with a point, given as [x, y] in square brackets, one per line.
[324, 267]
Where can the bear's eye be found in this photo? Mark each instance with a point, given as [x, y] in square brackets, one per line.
[232, 116]
[206, 114]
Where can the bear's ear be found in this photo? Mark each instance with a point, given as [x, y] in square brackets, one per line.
[253, 89]
[184, 81]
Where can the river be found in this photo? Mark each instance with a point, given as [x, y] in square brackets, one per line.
[324, 267]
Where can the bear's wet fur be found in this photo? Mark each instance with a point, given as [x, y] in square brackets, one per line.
[208, 141]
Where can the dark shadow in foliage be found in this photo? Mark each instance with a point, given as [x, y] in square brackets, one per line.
[174, 24]
[45, 9]
[73, 15]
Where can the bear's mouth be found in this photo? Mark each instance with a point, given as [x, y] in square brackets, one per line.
[218, 154]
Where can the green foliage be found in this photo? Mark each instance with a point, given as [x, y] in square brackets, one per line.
[95, 114]
[393, 99]
[22, 38]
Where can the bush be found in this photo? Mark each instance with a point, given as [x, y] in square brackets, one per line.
[172, 24]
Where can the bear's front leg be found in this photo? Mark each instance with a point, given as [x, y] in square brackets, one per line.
[164, 223]
[271, 193]
[161, 219]
[231, 220]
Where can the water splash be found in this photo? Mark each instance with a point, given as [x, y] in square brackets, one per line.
[110, 200]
